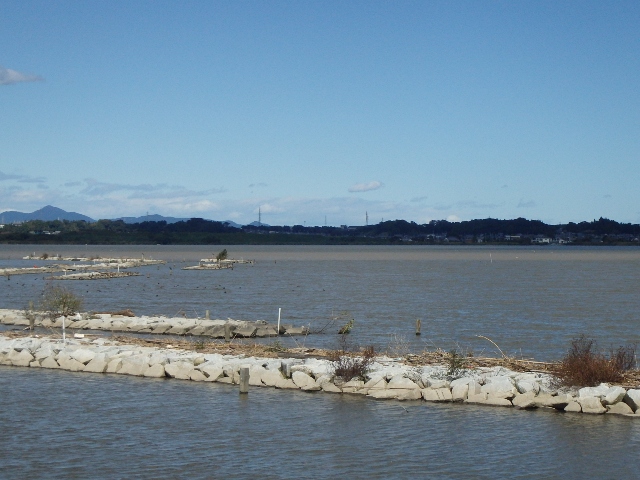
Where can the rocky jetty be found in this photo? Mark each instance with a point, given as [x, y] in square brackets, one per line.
[155, 325]
[386, 379]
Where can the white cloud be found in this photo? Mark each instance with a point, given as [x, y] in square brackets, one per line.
[453, 218]
[9, 77]
[365, 187]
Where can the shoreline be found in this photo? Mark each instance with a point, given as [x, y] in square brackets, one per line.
[387, 378]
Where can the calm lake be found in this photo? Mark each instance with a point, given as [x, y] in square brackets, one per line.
[529, 300]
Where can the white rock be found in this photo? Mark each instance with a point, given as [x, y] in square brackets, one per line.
[620, 408]
[98, 364]
[197, 376]
[435, 383]
[352, 386]
[155, 371]
[410, 393]
[20, 359]
[302, 380]
[271, 377]
[212, 371]
[526, 386]
[598, 391]
[499, 387]
[49, 362]
[573, 406]
[591, 405]
[71, 364]
[286, 383]
[255, 375]
[459, 393]
[179, 370]
[437, 394]
[114, 365]
[613, 395]
[401, 382]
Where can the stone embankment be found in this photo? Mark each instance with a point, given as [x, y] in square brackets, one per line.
[386, 379]
[155, 325]
[102, 264]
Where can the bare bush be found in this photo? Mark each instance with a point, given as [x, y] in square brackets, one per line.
[58, 301]
[352, 366]
[584, 365]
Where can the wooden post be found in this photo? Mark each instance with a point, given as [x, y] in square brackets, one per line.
[244, 379]
[227, 332]
[418, 325]
[206, 314]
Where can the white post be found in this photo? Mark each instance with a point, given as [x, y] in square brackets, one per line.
[279, 312]
[64, 338]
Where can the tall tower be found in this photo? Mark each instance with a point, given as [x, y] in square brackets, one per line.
[366, 217]
[259, 216]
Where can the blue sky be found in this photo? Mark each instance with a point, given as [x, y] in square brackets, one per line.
[314, 110]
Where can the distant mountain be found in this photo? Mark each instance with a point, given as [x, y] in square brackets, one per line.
[151, 218]
[47, 214]
[257, 224]
[160, 218]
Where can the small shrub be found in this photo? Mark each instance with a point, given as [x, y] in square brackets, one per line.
[584, 365]
[348, 367]
[57, 301]
[455, 363]
[222, 255]
[346, 328]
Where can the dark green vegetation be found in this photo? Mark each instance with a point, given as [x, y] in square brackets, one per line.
[198, 231]
[585, 365]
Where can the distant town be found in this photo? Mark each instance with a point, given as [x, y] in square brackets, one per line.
[66, 228]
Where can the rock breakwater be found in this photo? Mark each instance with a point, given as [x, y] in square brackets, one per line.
[155, 325]
[386, 379]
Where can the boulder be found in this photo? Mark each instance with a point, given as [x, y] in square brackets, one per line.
[559, 402]
[499, 387]
[135, 366]
[598, 391]
[49, 362]
[352, 386]
[477, 398]
[177, 330]
[620, 408]
[330, 387]
[20, 359]
[613, 395]
[498, 401]
[303, 380]
[271, 377]
[71, 364]
[114, 365]
[155, 371]
[162, 328]
[255, 375]
[83, 355]
[401, 382]
[376, 383]
[286, 383]
[435, 383]
[387, 393]
[591, 405]
[459, 393]
[211, 371]
[409, 393]
[525, 401]
[573, 406]
[98, 364]
[632, 398]
[526, 386]
[431, 394]
[197, 376]
[179, 370]
[245, 332]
